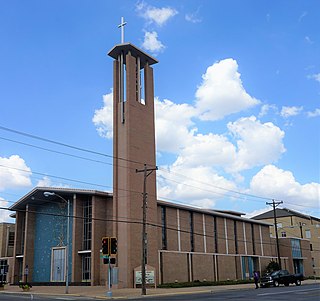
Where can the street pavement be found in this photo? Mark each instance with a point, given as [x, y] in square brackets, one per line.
[101, 292]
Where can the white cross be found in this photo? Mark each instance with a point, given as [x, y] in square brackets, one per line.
[122, 29]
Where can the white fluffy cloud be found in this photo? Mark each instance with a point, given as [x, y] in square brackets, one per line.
[290, 111]
[316, 77]
[258, 143]
[272, 181]
[207, 150]
[4, 214]
[174, 127]
[103, 117]
[172, 185]
[14, 173]
[155, 15]
[221, 92]
[151, 42]
[315, 113]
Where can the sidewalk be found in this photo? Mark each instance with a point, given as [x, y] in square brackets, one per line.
[100, 292]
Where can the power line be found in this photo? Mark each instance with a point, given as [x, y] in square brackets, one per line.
[66, 145]
[238, 193]
[138, 222]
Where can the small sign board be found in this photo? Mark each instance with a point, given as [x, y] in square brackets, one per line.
[149, 277]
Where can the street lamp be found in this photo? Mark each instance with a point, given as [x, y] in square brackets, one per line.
[47, 194]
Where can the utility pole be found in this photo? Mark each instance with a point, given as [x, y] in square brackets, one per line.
[146, 172]
[274, 205]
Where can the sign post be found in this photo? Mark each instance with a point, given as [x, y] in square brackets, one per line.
[109, 293]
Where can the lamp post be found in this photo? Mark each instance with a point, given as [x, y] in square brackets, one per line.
[47, 194]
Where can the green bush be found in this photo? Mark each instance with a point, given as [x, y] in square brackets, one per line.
[203, 283]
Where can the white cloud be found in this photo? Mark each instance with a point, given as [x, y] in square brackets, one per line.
[155, 15]
[221, 92]
[315, 113]
[257, 212]
[174, 127]
[315, 77]
[193, 17]
[207, 150]
[47, 182]
[14, 173]
[274, 182]
[290, 111]
[266, 108]
[258, 143]
[192, 189]
[151, 42]
[103, 117]
[4, 214]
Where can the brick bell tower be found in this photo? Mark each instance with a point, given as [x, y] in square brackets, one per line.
[133, 148]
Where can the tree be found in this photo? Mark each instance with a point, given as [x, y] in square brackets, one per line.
[273, 266]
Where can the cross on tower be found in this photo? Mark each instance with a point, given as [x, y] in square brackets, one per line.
[121, 25]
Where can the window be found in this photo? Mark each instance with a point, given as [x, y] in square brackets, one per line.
[308, 234]
[311, 248]
[215, 234]
[191, 231]
[86, 267]
[279, 225]
[253, 244]
[3, 270]
[87, 224]
[140, 89]
[283, 234]
[296, 248]
[235, 236]
[11, 239]
[164, 227]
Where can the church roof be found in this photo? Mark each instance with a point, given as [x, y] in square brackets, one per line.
[135, 51]
[284, 212]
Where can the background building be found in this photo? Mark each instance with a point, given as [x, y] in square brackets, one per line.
[7, 231]
[301, 232]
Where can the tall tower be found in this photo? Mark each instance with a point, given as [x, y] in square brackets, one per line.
[133, 146]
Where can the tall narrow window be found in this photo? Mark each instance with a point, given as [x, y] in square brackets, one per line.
[253, 240]
[140, 91]
[86, 267]
[215, 234]
[11, 239]
[191, 231]
[23, 224]
[164, 227]
[235, 236]
[87, 224]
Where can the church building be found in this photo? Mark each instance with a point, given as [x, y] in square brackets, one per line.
[59, 230]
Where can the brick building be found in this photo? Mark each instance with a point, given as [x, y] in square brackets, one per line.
[299, 230]
[183, 243]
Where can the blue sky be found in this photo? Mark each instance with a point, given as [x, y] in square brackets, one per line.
[237, 92]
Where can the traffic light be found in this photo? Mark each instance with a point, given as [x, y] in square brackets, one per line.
[105, 246]
[113, 246]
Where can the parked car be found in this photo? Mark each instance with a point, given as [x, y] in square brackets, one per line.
[280, 277]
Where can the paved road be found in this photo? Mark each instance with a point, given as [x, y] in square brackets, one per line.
[292, 293]
[310, 292]
[27, 297]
